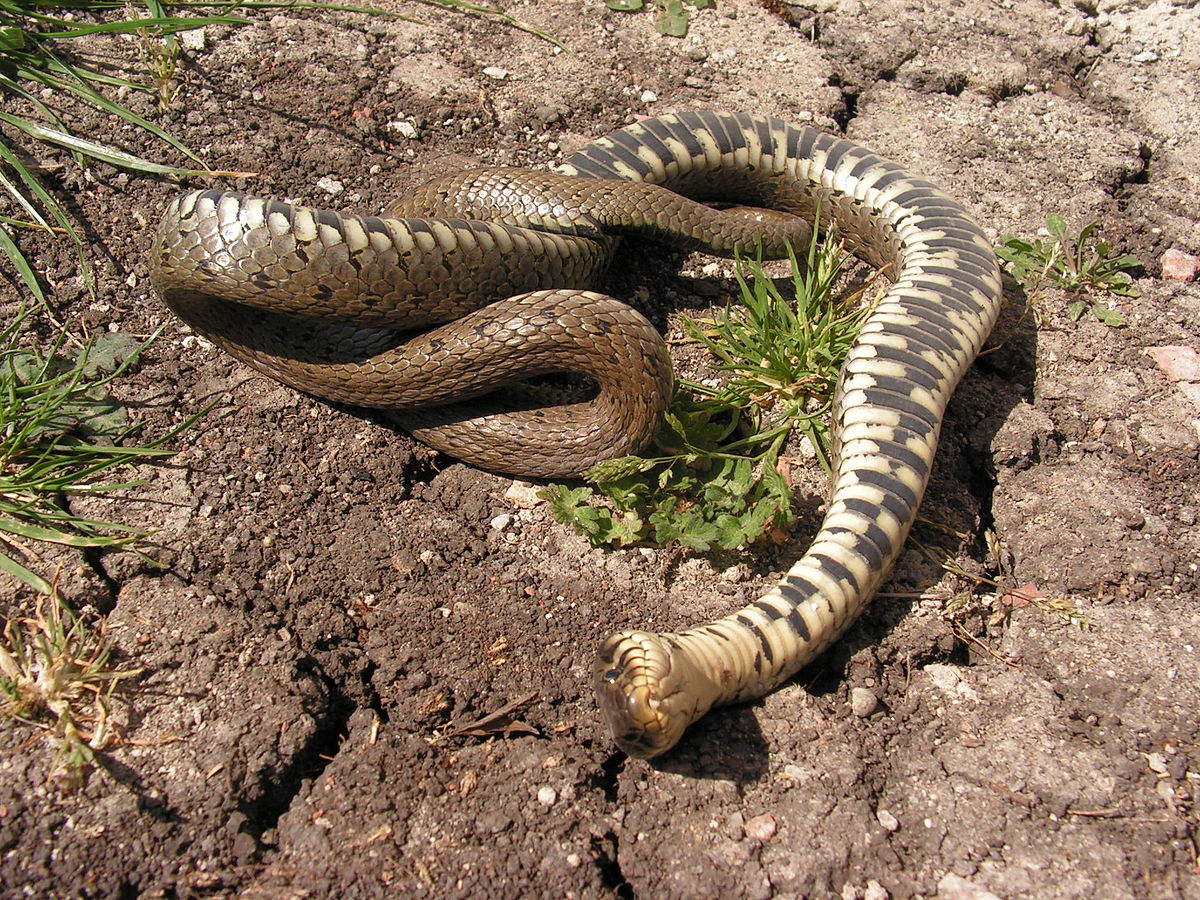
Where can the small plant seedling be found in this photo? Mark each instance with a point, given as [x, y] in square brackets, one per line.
[56, 675]
[672, 19]
[1078, 264]
[718, 480]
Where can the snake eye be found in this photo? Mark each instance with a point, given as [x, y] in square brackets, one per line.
[613, 675]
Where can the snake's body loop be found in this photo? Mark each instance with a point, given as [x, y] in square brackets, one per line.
[315, 298]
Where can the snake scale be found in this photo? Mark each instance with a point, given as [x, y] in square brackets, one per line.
[505, 257]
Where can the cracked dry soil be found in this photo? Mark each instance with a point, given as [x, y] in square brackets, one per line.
[338, 604]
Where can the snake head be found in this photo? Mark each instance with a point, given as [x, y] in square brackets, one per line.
[649, 691]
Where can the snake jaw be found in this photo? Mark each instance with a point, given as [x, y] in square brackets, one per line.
[647, 691]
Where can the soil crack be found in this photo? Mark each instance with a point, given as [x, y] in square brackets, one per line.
[278, 789]
[604, 853]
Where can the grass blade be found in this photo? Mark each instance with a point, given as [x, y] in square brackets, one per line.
[22, 574]
[21, 264]
[113, 157]
[163, 24]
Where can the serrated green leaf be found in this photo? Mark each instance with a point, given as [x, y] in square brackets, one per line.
[1056, 226]
[1075, 310]
[673, 20]
[1108, 315]
[561, 497]
[624, 5]
[687, 527]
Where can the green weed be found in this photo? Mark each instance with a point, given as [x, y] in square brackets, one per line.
[718, 479]
[1078, 264]
[672, 19]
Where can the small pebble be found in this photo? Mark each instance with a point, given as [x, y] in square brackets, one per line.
[495, 72]
[195, 39]
[863, 702]
[955, 887]
[1166, 793]
[735, 827]
[761, 828]
[887, 820]
[1179, 266]
[404, 129]
[523, 495]
[574, 860]
[735, 574]
[501, 522]
[547, 796]
[1177, 363]
[649, 96]
[875, 891]
[330, 185]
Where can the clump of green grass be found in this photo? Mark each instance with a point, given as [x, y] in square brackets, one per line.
[62, 436]
[1080, 264]
[672, 19]
[57, 676]
[718, 480]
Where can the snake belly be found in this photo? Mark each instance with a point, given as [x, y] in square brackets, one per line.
[324, 301]
[892, 393]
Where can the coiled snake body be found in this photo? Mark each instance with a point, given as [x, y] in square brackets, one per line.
[312, 298]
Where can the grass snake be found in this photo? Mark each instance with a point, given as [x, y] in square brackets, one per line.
[492, 271]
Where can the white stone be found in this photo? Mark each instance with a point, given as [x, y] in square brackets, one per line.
[330, 185]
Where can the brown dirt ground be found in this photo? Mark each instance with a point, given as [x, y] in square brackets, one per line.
[338, 601]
